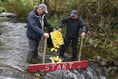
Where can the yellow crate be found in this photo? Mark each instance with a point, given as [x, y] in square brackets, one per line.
[57, 38]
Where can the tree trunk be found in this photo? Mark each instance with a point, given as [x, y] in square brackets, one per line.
[44, 1]
[40, 1]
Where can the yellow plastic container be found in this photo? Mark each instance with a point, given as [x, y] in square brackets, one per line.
[57, 38]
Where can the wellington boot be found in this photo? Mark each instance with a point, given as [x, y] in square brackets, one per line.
[29, 58]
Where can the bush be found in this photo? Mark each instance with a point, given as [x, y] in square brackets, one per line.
[20, 7]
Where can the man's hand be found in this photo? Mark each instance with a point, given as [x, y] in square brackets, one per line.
[83, 34]
[46, 35]
[60, 29]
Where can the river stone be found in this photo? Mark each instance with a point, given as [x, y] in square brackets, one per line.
[7, 14]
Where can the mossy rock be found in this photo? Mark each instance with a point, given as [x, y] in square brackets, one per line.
[2, 9]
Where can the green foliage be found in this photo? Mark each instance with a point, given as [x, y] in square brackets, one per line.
[19, 7]
[2, 9]
[54, 23]
[116, 37]
[111, 50]
[100, 17]
[4, 0]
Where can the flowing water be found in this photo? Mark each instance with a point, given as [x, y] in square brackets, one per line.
[13, 51]
[13, 55]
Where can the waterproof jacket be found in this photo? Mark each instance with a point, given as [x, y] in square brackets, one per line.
[35, 29]
[73, 26]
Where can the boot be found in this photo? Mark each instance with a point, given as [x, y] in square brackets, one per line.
[29, 58]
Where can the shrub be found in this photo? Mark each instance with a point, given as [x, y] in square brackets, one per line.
[20, 7]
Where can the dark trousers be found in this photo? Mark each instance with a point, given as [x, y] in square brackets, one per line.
[67, 40]
[33, 48]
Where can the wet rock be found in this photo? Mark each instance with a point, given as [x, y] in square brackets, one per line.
[7, 14]
[88, 73]
[7, 72]
[115, 63]
[0, 33]
[101, 61]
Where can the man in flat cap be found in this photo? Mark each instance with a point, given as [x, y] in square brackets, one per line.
[74, 23]
[36, 23]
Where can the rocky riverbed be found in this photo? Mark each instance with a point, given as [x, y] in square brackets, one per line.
[13, 57]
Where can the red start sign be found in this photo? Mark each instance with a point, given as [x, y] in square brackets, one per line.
[49, 67]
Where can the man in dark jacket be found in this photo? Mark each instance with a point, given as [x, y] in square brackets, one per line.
[36, 22]
[74, 23]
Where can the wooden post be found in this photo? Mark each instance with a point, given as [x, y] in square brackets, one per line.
[45, 45]
[80, 48]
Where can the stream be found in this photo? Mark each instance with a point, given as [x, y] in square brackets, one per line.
[13, 57]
